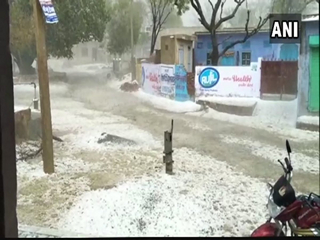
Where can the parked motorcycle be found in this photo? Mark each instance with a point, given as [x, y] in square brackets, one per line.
[299, 214]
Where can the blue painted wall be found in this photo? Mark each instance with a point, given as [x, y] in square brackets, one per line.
[181, 86]
[308, 29]
[258, 45]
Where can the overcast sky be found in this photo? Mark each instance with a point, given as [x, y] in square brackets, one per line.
[190, 18]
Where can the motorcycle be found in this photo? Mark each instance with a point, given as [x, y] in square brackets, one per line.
[299, 214]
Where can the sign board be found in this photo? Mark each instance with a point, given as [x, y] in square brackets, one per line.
[167, 81]
[48, 11]
[227, 81]
[151, 82]
[181, 84]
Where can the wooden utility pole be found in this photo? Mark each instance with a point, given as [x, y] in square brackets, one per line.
[42, 65]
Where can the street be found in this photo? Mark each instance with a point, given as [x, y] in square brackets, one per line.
[117, 190]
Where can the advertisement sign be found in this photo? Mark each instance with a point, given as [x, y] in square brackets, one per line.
[48, 11]
[181, 85]
[234, 81]
[151, 81]
[167, 81]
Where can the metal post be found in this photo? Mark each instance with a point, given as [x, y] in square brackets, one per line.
[35, 98]
[133, 65]
[167, 158]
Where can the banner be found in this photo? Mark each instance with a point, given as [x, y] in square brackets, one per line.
[234, 81]
[151, 82]
[167, 81]
[181, 85]
[48, 11]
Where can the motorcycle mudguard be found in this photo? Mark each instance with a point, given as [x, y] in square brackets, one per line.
[267, 229]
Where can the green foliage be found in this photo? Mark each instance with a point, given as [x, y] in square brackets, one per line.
[22, 36]
[144, 38]
[119, 27]
[181, 5]
[290, 6]
[79, 21]
[174, 20]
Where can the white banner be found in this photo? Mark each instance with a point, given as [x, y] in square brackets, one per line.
[167, 81]
[48, 11]
[151, 80]
[234, 81]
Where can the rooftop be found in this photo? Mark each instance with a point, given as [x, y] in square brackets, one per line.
[310, 18]
[232, 30]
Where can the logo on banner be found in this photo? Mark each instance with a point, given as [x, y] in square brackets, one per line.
[48, 11]
[209, 77]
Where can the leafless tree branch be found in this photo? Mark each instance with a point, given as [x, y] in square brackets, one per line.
[224, 40]
[197, 7]
[226, 18]
[248, 33]
[160, 10]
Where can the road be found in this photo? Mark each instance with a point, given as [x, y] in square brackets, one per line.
[205, 148]
[202, 134]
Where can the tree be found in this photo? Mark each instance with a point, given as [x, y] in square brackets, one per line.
[257, 9]
[218, 18]
[160, 12]
[119, 27]
[174, 20]
[290, 6]
[79, 21]
[22, 36]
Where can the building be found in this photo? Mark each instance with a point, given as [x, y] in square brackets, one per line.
[176, 31]
[88, 52]
[177, 50]
[308, 74]
[242, 54]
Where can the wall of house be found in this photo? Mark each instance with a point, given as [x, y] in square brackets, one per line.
[258, 45]
[89, 52]
[168, 50]
[308, 29]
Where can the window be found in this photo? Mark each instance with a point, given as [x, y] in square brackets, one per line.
[84, 52]
[199, 45]
[209, 45]
[266, 44]
[246, 58]
[209, 59]
[246, 45]
[167, 47]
